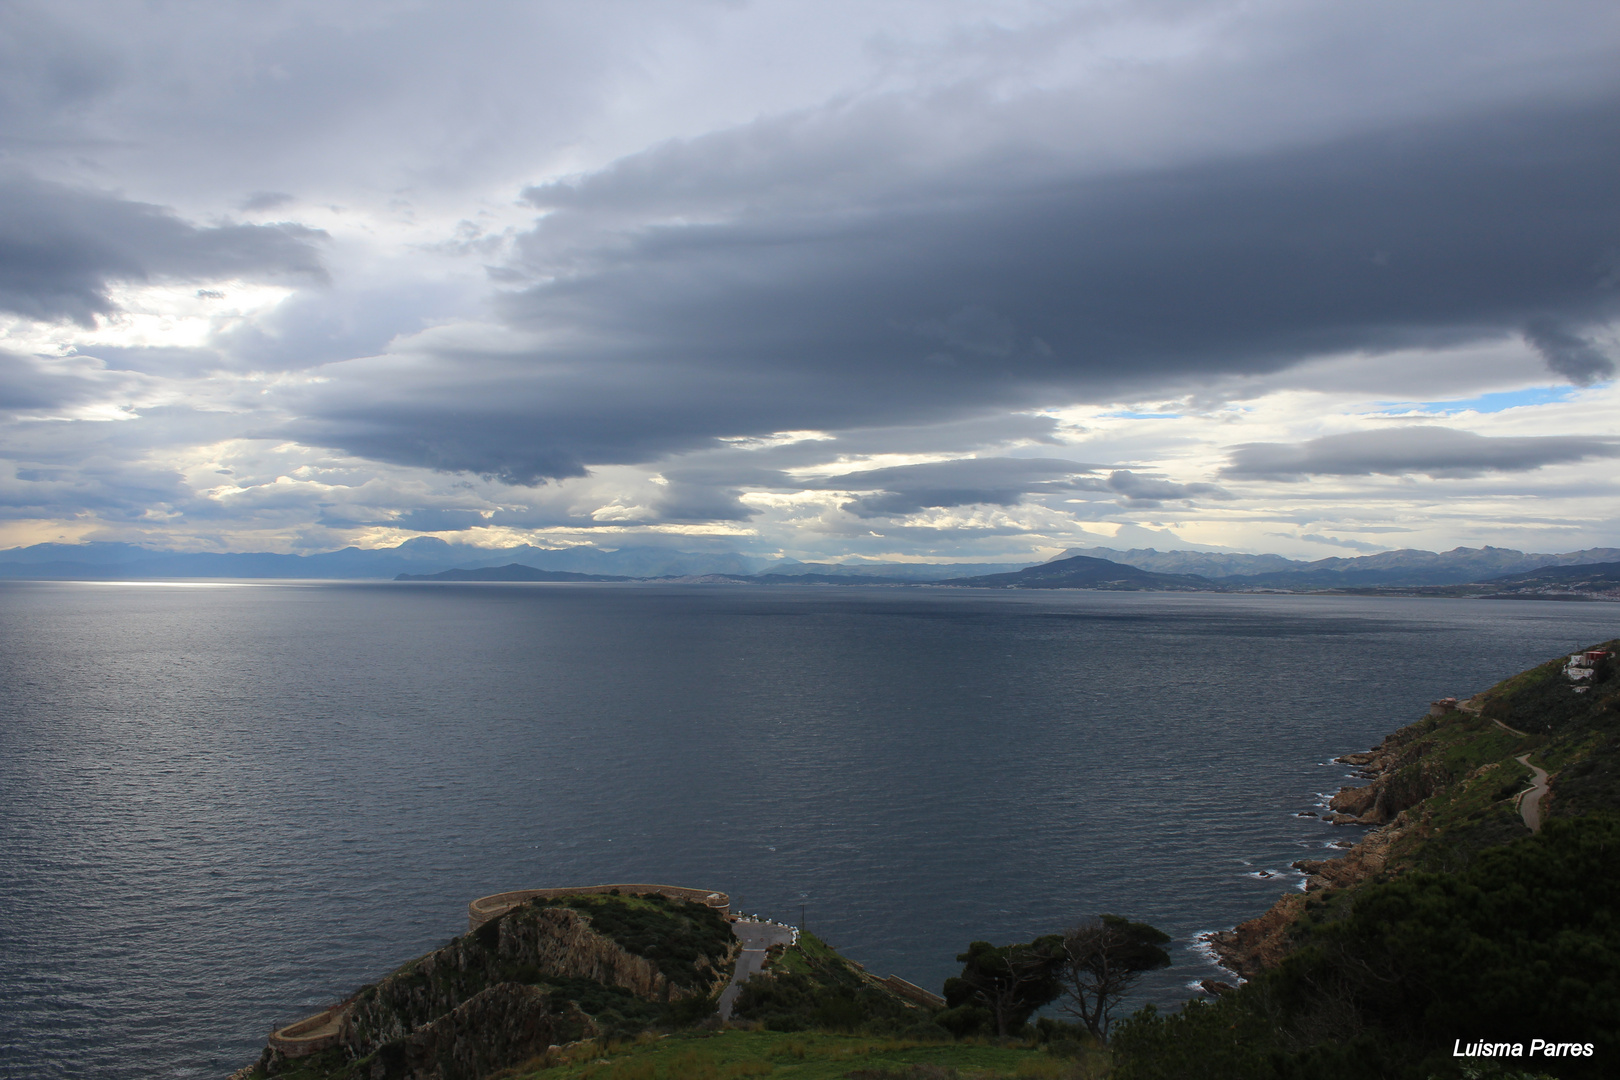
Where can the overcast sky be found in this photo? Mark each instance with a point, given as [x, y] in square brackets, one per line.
[934, 280]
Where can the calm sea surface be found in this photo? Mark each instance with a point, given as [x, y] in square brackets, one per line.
[224, 806]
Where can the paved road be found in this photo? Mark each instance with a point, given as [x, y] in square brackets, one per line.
[756, 937]
[1530, 800]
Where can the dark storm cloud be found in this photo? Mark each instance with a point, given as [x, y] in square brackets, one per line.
[784, 310]
[698, 503]
[1568, 355]
[61, 248]
[1434, 451]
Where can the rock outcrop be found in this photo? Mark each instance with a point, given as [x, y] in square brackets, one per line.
[503, 993]
[539, 943]
[1402, 776]
[1363, 861]
[1262, 942]
[1251, 947]
[490, 1031]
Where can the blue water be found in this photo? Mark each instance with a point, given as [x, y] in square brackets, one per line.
[224, 806]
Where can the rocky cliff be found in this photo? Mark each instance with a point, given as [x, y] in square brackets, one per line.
[494, 1029]
[548, 972]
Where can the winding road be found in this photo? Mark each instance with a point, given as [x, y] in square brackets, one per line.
[1530, 799]
[756, 937]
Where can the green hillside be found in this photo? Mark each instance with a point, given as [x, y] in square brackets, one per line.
[1451, 924]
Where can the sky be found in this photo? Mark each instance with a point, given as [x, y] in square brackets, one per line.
[931, 281]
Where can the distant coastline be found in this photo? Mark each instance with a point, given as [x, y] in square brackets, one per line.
[1469, 573]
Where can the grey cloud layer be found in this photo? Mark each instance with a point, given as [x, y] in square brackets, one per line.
[997, 481]
[662, 334]
[1434, 451]
[939, 226]
[61, 248]
[906, 489]
[26, 385]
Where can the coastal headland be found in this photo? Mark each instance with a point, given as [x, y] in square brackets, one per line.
[1454, 784]
[540, 971]
[1478, 901]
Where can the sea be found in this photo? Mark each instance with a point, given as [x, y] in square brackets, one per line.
[226, 805]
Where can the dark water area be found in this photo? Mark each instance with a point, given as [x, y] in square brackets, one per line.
[222, 807]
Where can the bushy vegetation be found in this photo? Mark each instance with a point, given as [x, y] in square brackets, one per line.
[1521, 945]
[810, 987]
[1542, 702]
[1001, 986]
[617, 1011]
[674, 934]
[1091, 967]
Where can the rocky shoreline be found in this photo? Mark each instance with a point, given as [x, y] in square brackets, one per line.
[1399, 780]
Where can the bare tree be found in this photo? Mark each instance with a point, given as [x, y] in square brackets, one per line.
[1103, 959]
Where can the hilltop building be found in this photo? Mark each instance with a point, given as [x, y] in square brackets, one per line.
[1580, 666]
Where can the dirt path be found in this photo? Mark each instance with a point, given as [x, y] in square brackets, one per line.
[1529, 801]
[756, 937]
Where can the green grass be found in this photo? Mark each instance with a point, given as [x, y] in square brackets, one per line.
[728, 1055]
[816, 949]
[809, 987]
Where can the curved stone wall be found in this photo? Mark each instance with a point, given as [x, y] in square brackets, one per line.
[485, 908]
[312, 1034]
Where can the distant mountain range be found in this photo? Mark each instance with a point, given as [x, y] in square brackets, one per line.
[430, 555]
[1139, 568]
[423, 555]
[1585, 582]
[1407, 567]
[1085, 572]
[1594, 577]
[510, 572]
[1592, 581]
